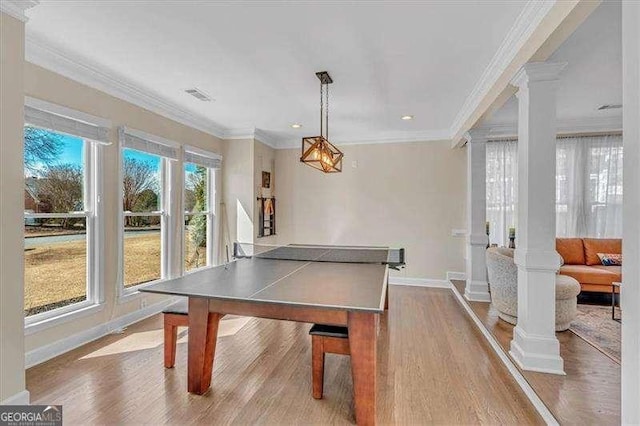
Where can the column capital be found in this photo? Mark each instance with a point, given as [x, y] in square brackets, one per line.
[538, 71]
[17, 8]
[477, 135]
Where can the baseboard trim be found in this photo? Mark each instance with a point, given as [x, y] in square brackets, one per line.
[460, 276]
[420, 282]
[47, 352]
[21, 398]
[506, 360]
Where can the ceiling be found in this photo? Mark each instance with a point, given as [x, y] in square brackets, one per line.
[593, 76]
[258, 59]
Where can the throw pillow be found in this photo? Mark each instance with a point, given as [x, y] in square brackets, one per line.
[610, 259]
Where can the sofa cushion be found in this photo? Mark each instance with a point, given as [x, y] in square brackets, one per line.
[571, 250]
[617, 270]
[590, 274]
[593, 246]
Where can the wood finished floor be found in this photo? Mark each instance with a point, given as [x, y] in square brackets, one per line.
[433, 367]
[588, 394]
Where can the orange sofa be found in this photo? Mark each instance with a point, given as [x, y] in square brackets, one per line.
[581, 262]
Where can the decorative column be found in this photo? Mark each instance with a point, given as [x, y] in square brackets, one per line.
[535, 346]
[477, 288]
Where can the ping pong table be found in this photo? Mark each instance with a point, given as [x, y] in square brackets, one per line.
[334, 285]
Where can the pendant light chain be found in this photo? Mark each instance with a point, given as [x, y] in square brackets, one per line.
[327, 119]
[321, 108]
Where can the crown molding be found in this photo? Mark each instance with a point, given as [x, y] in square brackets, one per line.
[526, 23]
[265, 138]
[17, 8]
[572, 126]
[252, 133]
[235, 134]
[394, 137]
[71, 66]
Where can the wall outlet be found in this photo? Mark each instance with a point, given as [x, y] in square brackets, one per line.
[143, 303]
[354, 164]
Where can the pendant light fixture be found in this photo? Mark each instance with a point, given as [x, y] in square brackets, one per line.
[317, 151]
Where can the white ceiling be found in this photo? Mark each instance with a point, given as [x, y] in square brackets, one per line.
[593, 76]
[258, 59]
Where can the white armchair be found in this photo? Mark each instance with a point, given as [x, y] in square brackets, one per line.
[503, 279]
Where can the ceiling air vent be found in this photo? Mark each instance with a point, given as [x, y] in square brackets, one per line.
[609, 106]
[199, 94]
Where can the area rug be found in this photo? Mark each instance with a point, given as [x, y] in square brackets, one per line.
[594, 324]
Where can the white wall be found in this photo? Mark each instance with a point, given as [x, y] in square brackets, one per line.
[264, 160]
[630, 297]
[407, 195]
[237, 193]
[11, 208]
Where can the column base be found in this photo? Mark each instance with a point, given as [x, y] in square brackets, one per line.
[534, 353]
[477, 291]
[21, 398]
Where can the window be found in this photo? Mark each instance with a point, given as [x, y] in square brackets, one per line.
[62, 216]
[199, 208]
[502, 189]
[588, 187]
[145, 244]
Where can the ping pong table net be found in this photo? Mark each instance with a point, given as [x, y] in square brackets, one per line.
[394, 257]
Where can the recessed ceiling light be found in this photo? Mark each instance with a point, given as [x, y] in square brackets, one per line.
[296, 125]
[407, 117]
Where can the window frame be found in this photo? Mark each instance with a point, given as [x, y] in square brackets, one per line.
[93, 212]
[211, 216]
[167, 244]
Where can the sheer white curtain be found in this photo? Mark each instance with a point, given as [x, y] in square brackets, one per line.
[502, 189]
[588, 187]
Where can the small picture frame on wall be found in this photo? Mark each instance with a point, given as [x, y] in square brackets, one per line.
[266, 180]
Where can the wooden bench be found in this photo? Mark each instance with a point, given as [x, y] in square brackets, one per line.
[176, 315]
[325, 339]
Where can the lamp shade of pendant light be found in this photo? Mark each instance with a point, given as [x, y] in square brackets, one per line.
[321, 154]
[317, 151]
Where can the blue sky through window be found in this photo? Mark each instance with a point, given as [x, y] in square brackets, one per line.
[71, 152]
[150, 159]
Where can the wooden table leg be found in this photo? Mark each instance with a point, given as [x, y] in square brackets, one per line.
[203, 333]
[386, 297]
[362, 342]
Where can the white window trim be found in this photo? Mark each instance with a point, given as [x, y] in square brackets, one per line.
[94, 225]
[210, 213]
[168, 166]
[65, 314]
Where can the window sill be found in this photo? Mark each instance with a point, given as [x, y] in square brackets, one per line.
[32, 327]
[131, 293]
